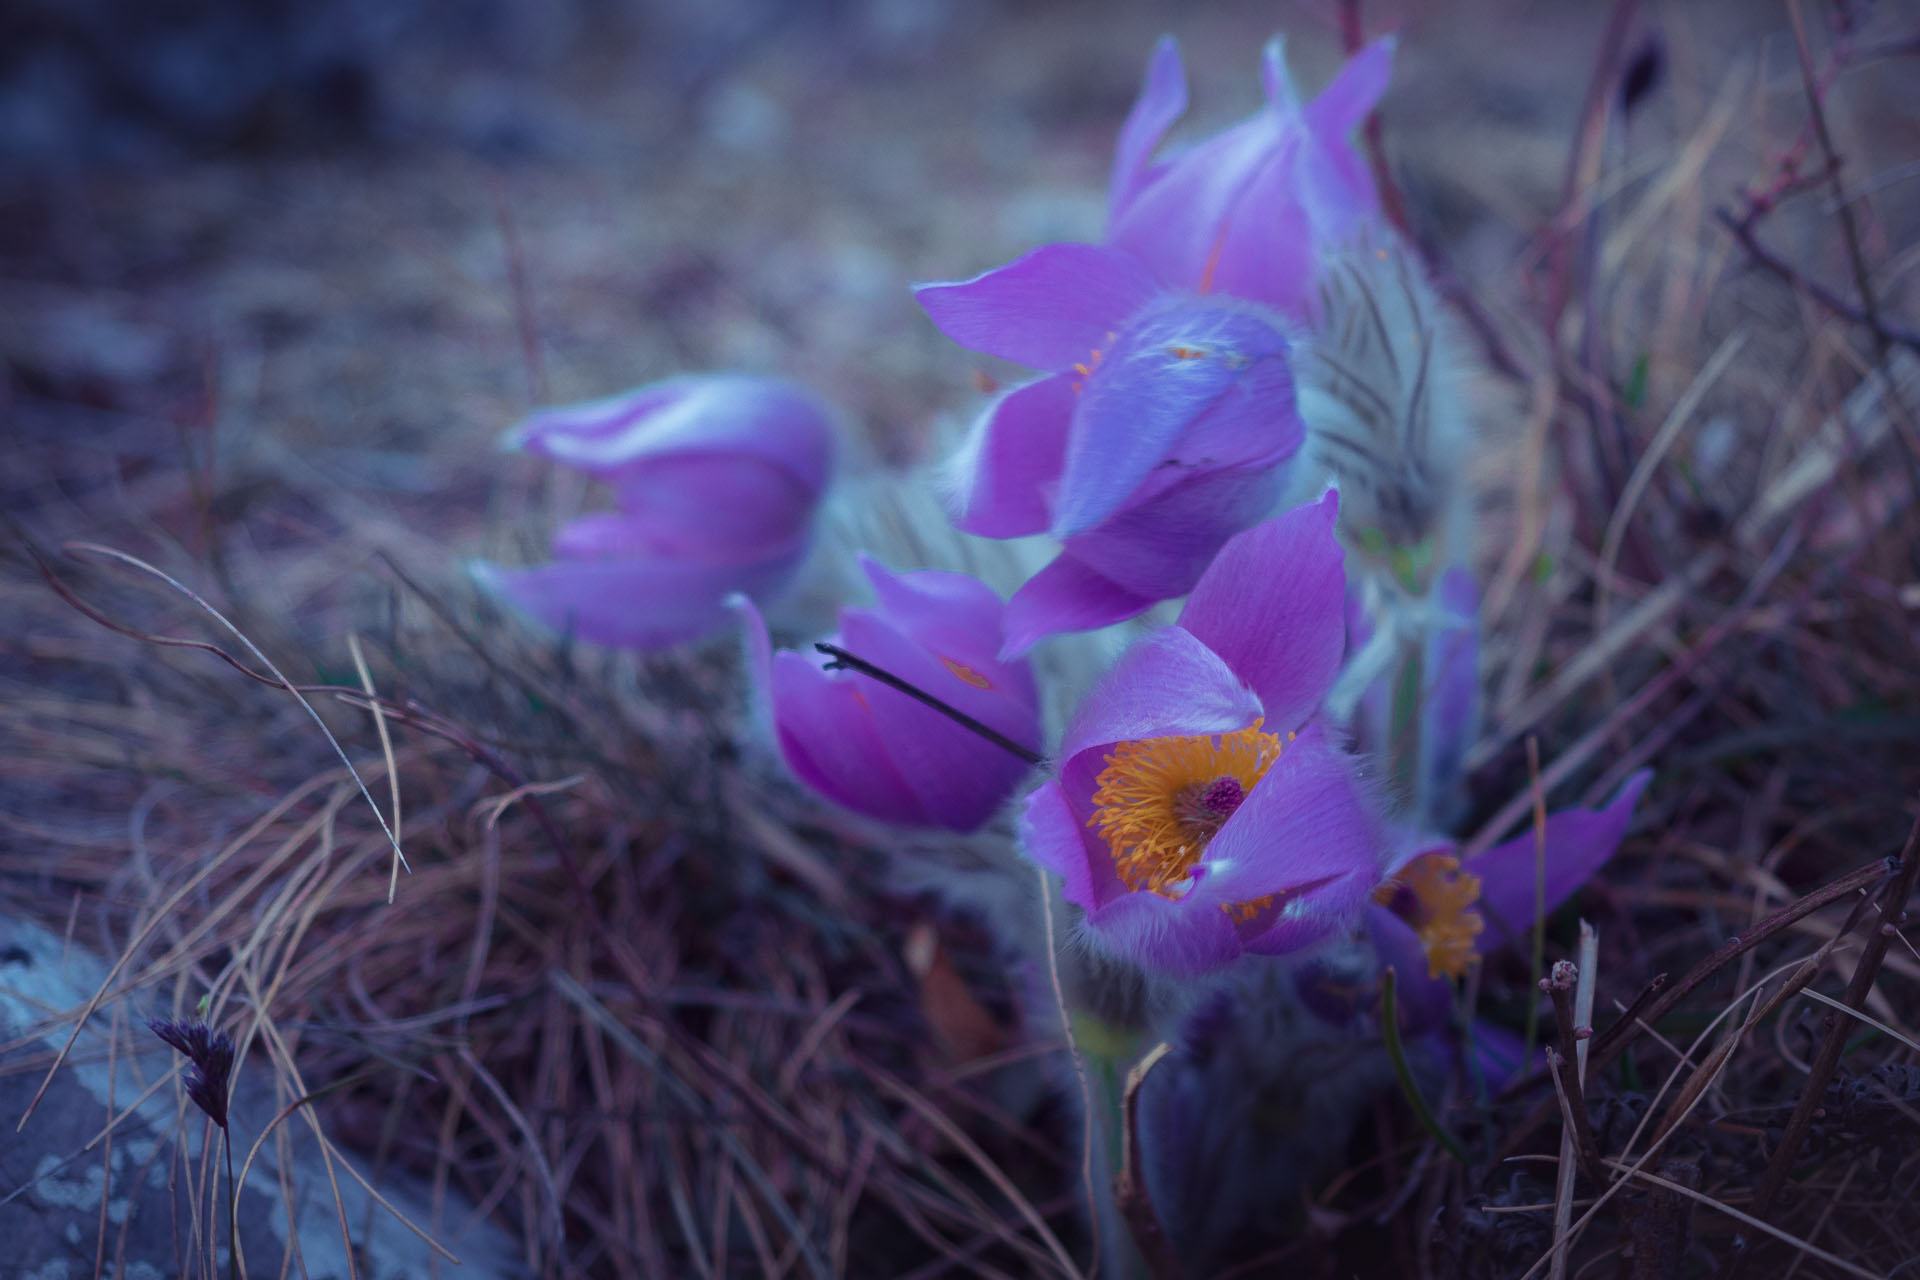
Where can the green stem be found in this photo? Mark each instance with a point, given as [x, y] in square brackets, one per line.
[1390, 1018]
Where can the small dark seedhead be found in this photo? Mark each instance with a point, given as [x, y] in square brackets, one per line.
[210, 1063]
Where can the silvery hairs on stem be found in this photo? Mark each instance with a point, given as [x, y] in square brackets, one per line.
[1382, 387]
[1384, 382]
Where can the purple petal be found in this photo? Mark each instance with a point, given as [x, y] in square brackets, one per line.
[1273, 606]
[1451, 667]
[1173, 224]
[1006, 473]
[778, 423]
[1160, 548]
[1053, 837]
[1163, 97]
[1277, 82]
[827, 735]
[1166, 371]
[1579, 842]
[1333, 174]
[1066, 596]
[1353, 93]
[1305, 826]
[635, 603]
[1308, 917]
[699, 507]
[1166, 685]
[960, 777]
[1266, 245]
[1498, 1053]
[1050, 310]
[1183, 939]
[956, 619]
[1426, 1003]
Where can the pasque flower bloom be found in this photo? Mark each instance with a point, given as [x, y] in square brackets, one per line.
[1247, 211]
[1436, 915]
[881, 752]
[1153, 439]
[1201, 810]
[716, 479]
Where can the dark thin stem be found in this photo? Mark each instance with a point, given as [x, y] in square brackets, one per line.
[1893, 905]
[842, 660]
[233, 1209]
[1832, 300]
[1817, 113]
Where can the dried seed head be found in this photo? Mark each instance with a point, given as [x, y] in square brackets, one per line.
[209, 1056]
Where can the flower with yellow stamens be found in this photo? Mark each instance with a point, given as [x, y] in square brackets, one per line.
[1439, 900]
[1201, 811]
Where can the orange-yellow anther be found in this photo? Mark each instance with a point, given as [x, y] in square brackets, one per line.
[1438, 900]
[966, 673]
[1160, 800]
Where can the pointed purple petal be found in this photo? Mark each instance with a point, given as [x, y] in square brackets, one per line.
[1050, 310]
[1354, 92]
[634, 604]
[1163, 97]
[1305, 824]
[1066, 596]
[1273, 606]
[1173, 223]
[1165, 685]
[1005, 475]
[1266, 243]
[827, 734]
[1579, 842]
[1277, 81]
[1166, 371]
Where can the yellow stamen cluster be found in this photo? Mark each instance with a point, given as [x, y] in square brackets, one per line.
[1444, 914]
[1160, 800]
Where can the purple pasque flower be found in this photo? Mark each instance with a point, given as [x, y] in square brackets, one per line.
[1248, 211]
[1154, 437]
[879, 751]
[1201, 809]
[1436, 914]
[716, 477]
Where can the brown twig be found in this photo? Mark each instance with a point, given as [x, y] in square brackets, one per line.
[1130, 1184]
[1658, 1001]
[1560, 1059]
[1893, 909]
[1743, 231]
